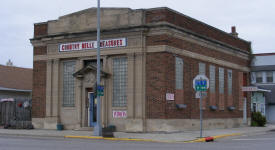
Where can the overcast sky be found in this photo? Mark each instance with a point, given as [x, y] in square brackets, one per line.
[254, 20]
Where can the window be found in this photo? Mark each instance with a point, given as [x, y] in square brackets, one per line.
[93, 62]
[254, 107]
[202, 68]
[259, 77]
[120, 82]
[229, 81]
[212, 72]
[179, 73]
[253, 77]
[68, 84]
[221, 80]
[269, 76]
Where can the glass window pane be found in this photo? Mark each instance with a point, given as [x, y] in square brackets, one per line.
[269, 76]
[179, 73]
[68, 84]
[229, 81]
[202, 68]
[212, 73]
[259, 77]
[120, 82]
[221, 80]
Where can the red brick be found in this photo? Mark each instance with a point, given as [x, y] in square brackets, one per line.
[167, 15]
[39, 89]
[40, 29]
[40, 50]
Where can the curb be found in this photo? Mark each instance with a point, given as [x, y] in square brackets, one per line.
[112, 139]
[226, 135]
[211, 138]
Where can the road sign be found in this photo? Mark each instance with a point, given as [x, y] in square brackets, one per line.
[201, 83]
[249, 88]
[100, 90]
[201, 94]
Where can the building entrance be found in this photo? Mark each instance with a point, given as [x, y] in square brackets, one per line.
[92, 109]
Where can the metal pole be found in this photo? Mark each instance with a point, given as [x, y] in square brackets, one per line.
[200, 114]
[244, 112]
[98, 127]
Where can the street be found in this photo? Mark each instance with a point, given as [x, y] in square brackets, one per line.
[264, 141]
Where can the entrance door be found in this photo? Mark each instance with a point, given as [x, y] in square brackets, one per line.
[92, 110]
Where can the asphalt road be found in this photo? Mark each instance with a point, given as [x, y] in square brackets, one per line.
[256, 142]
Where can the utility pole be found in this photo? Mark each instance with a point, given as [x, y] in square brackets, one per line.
[98, 127]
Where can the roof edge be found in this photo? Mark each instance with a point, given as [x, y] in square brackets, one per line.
[167, 8]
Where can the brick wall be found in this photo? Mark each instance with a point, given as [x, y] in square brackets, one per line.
[167, 15]
[39, 50]
[160, 79]
[39, 89]
[186, 45]
[40, 29]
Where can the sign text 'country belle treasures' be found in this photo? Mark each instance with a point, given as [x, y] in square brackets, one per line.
[78, 46]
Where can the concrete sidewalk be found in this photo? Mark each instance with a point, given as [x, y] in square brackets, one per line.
[155, 136]
[193, 135]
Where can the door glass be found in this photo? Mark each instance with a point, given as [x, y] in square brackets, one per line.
[94, 109]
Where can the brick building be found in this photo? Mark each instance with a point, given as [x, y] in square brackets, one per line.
[146, 55]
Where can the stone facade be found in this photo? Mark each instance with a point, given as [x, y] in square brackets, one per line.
[154, 38]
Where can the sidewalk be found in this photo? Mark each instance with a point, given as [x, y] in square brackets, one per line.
[155, 136]
[192, 135]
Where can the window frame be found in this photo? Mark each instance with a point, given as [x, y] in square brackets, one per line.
[269, 77]
[119, 98]
[229, 81]
[221, 80]
[259, 77]
[212, 78]
[179, 73]
[70, 85]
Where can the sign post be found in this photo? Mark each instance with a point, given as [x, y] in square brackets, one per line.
[98, 127]
[201, 84]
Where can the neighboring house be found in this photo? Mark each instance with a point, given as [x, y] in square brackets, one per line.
[263, 76]
[149, 58]
[15, 82]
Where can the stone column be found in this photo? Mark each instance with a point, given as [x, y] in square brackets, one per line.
[131, 86]
[49, 88]
[55, 87]
[78, 94]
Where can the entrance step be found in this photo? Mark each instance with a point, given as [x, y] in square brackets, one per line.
[85, 129]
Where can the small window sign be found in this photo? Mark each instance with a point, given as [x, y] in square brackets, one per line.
[119, 114]
[170, 96]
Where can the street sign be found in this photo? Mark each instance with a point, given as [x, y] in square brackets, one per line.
[201, 94]
[201, 83]
[100, 90]
[249, 88]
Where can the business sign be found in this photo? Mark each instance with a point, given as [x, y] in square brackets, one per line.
[119, 114]
[7, 100]
[87, 45]
[170, 96]
[201, 83]
[249, 88]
